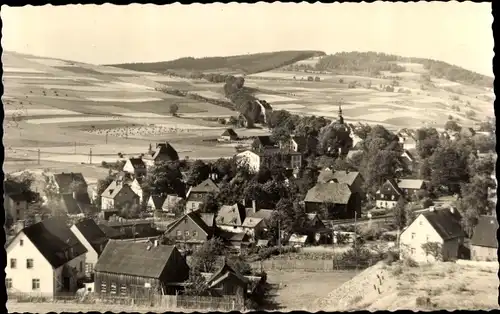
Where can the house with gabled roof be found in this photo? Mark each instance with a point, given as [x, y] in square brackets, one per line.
[263, 142]
[411, 186]
[228, 282]
[15, 205]
[170, 202]
[93, 238]
[45, 258]
[352, 178]
[196, 194]
[191, 230]
[484, 242]
[231, 217]
[256, 159]
[155, 202]
[139, 270]
[164, 152]
[336, 197]
[300, 144]
[228, 135]
[135, 166]
[408, 159]
[117, 197]
[388, 195]
[74, 184]
[440, 227]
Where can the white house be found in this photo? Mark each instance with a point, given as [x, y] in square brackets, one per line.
[231, 218]
[251, 159]
[135, 166]
[94, 240]
[441, 227]
[45, 258]
[256, 159]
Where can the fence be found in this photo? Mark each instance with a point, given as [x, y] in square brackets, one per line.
[309, 265]
[157, 301]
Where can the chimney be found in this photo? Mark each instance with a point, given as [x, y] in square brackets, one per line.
[156, 242]
[452, 210]
[431, 208]
[254, 206]
[74, 195]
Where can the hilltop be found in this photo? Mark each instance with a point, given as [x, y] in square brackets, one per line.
[242, 64]
[440, 286]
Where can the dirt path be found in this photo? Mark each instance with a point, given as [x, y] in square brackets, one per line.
[299, 290]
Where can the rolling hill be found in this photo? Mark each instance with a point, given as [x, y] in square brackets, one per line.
[242, 64]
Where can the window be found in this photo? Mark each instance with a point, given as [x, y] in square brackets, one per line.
[17, 203]
[179, 234]
[103, 287]
[427, 238]
[8, 283]
[29, 263]
[382, 195]
[420, 222]
[13, 263]
[81, 266]
[123, 290]
[89, 268]
[186, 234]
[195, 233]
[412, 251]
[413, 235]
[193, 205]
[35, 284]
[21, 242]
[113, 288]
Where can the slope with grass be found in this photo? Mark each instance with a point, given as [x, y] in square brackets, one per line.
[447, 286]
[245, 64]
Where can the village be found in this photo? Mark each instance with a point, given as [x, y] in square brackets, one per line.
[314, 195]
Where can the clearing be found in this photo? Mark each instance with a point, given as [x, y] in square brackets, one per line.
[464, 285]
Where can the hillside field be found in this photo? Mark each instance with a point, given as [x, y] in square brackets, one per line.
[66, 108]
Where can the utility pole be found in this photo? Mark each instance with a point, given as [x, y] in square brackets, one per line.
[279, 236]
[107, 137]
[90, 156]
[39, 156]
[75, 148]
[126, 132]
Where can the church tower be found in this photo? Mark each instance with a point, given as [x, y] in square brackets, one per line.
[341, 119]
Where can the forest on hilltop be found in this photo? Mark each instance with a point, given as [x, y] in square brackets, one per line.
[248, 64]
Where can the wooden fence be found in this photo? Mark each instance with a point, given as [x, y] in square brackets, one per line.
[310, 265]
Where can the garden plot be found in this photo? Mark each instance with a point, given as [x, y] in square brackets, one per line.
[41, 112]
[68, 120]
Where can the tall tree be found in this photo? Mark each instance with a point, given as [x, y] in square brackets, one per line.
[449, 168]
[198, 172]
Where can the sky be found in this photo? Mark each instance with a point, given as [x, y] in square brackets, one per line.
[457, 33]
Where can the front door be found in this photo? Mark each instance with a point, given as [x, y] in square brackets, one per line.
[66, 284]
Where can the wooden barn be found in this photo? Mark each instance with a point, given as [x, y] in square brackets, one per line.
[139, 270]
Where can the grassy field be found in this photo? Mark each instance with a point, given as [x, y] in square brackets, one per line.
[449, 286]
[79, 102]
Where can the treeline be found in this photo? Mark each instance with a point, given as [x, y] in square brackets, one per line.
[373, 63]
[194, 96]
[252, 63]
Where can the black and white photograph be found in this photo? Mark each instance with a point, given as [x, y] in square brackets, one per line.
[249, 157]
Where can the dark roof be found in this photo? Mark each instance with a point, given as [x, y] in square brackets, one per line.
[446, 223]
[390, 186]
[301, 143]
[196, 218]
[208, 218]
[332, 192]
[232, 215]
[134, 258]
[485, 232]
[70, 205]
[264, 141]
[408, 154]
[229, 132]
[17, 197]
[206, 186]
[166, 150]
[265, 214]
[54, 239]
[224, 272]
[137, 163]
[109, 232]
[65, 180]
[234, 237]
[412, 184]
[93, 234]
[158, 200]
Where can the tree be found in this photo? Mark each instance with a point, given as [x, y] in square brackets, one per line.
[173, 109]
[449, 168]
[433, 249]
[377, 167]
[209, 204]
[165, 177]
[452, 125]
[484, 143]
[481, 166]
[399, 212]
[179, 208]
[204, 259]
[427, 141]
[130, 211]
[198, 172]
[197, 284]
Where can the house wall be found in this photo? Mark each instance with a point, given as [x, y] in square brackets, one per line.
[251, 159]
[483, 253]
[136, 187]
[187, 225]
[126, 285]
[22, 276]
[409, 146]
[176, 270]
[17, 210]
[421, 232]
[107, 203]
[385, 204]
[126, 197]
[91, 256]
[130, 169]
[231, 287]
[230, 228]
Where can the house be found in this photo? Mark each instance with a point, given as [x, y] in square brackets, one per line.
[117, 196]
[296, 240]
[15, 206]
[109, 232]
[484, 243]
[338, 199]
[254, 227]
[409, 143]
[229, 283]
[351, 178]
[71, 206]
[73, 184]
[45, 258]
[388, 195]
[300, 144]
[235, 241]
[130, 229]
[440, 227]
[228, 135]
[94, 240]
[196, 194]
[135, 166]
[164, 152]
[263, 143]
[408, 159]
[170, 202]
[155, 202]
[255, 159]
[138, 270]
[231, 217]
[191, 230]
[411, 187]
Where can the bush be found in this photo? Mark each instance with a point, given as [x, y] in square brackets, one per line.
[388, 237]
[391, 257]
[398, 270]
[426, 202]
[410, 262]
[423, 301]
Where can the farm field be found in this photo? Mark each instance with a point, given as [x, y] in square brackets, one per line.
[92, 104]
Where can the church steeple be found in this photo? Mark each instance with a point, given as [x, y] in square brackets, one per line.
[341, 119]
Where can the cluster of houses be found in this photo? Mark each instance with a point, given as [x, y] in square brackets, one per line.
[50, 259]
